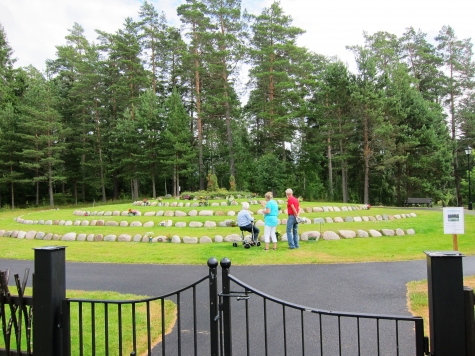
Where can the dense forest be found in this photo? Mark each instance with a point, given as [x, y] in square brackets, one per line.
[230, 98]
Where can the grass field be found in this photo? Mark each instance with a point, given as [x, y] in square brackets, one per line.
[428, 226]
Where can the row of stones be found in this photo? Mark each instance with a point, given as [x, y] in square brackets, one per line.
[205, 212]
[209, 224]
[309, 235]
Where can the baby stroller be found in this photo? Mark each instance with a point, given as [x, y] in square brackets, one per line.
[247, 244]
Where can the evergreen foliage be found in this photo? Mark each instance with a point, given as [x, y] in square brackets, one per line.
[152, 109]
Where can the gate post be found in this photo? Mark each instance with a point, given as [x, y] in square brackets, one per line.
[446, 303]
[228, 349]
[49, 290]
[213, 306]
[469, 320]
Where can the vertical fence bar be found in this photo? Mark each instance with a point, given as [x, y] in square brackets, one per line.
[178, 307]
[468, 300]
[149, 337]
[119, 314]
[285, 329]
[339, 335]
[321, 333]
[248, 346]
[377, 336]
[66, 322]
[265, 326]
[49, 290]
[164, 330]
[213, 306]
[419, 331]
[397, 337]
[228, 347]
[93, 329]
[303, 332]
[80, 326]
[134, 328]
[195, 328]
[106, 327]
[359, 335]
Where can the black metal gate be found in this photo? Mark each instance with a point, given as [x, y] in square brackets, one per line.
[239, 320]
[254, 323]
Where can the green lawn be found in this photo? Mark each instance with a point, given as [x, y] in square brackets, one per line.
[428, 226]
[112, 323]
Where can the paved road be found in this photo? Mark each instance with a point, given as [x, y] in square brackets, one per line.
[361, 288]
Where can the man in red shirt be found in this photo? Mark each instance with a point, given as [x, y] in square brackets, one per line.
[293, 209]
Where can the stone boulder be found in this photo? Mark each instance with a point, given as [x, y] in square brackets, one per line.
[362, 233]
[110, 238]
[111, 223]
[180, 224]
[347, 234]
[195, 224]
[193, 213]
[205, 240]
[190, 240]
[310, 235]
[218, 238]
[124, 238]
[179, 213]
[330, 235]
[374, 233]
[206, 213]
[210, 224]
[165, 223]
[232, 238]
[387, 232]
[70, 236]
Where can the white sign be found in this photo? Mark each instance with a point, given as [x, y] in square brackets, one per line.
[453, 221]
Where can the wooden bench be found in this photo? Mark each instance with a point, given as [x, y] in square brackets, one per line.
[414, 201]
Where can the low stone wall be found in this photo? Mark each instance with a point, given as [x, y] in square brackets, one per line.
[305, 236]
[207, 212]
[208, 224]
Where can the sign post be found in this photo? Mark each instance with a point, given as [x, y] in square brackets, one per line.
[454, 223]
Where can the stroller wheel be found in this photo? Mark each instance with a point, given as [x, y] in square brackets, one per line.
[258, 243]
[234, 244]
[246, 245]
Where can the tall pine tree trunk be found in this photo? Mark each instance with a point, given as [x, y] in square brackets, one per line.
[199, 123]
[344, 168]
[330, 167]
[154, 189]
[13, 195]
[50, 185]
[366, 153]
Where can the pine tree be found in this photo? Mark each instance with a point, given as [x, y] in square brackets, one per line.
[276, 73]
[177, 151]
[42, 133]
[193, 14]
[460, 70]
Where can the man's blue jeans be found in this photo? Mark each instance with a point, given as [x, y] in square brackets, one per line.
[292, 232]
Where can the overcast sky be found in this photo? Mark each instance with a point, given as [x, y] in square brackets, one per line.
[35, 27]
